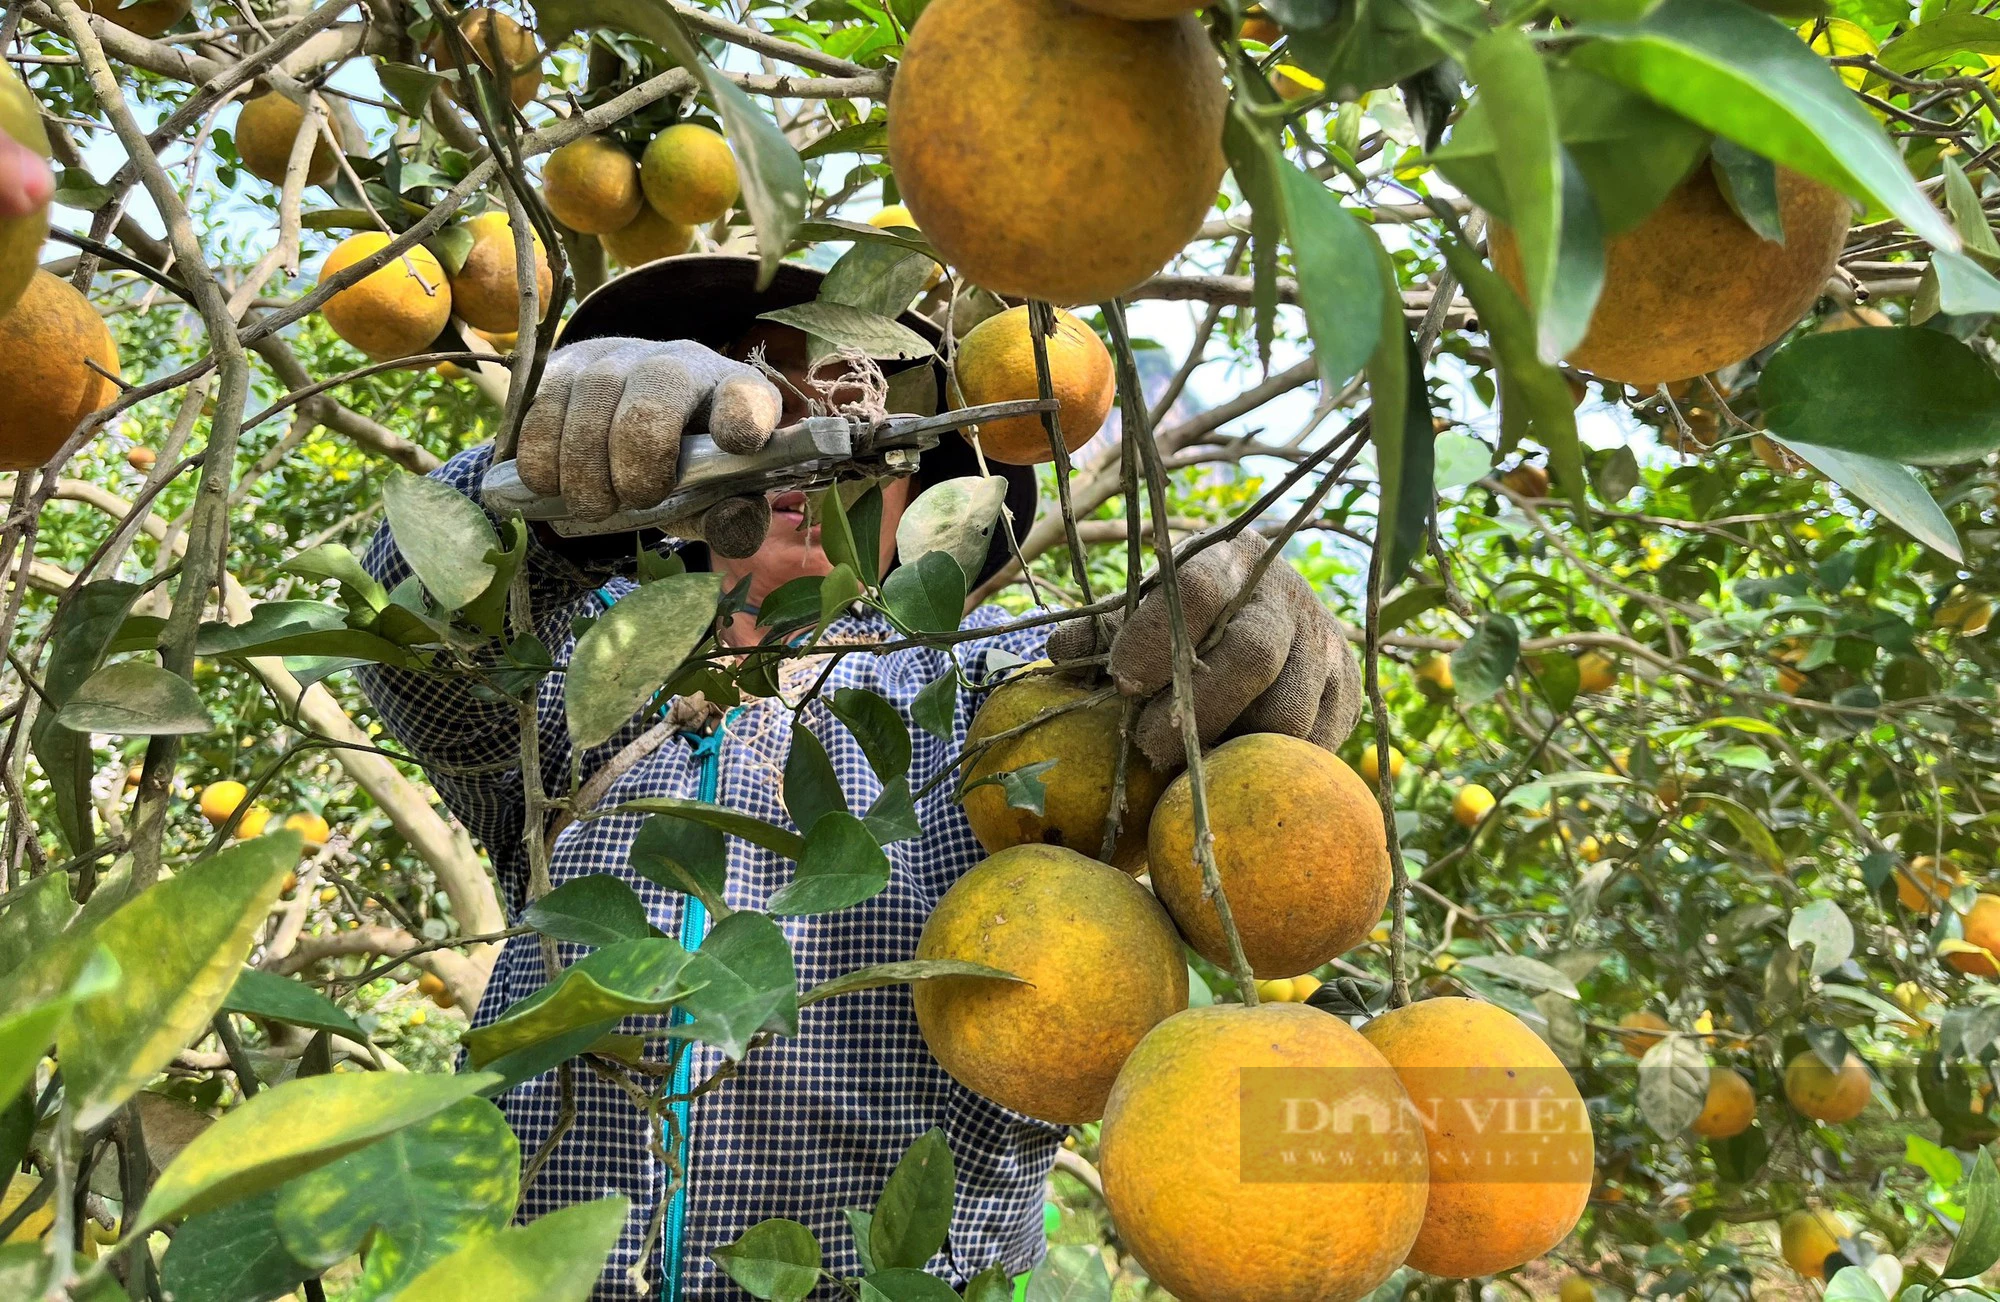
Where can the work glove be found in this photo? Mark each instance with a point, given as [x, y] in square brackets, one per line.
[1282, 664]
[604, 431]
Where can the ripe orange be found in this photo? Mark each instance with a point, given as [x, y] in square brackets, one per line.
[253, 823]
[1257, 26]
[483, 30]
[220, 799]
[1730, 1107]
[592, 185]
[689, 174]
[1636, 1041]
[44, 344]
[1596, 672]
[1466, 1063]
[1077, 791]
[1137, 11]
[1471, 804]
[1298, 843]
[486, 292]
[648, 238]
[1370, 764]
[151, 19]
[141, 458]
[395, 310]
[1202, 1193]
[1826, 1095]
[996, 363]
[312, 829]
[265, 130]
[1923, 883]
[1436, 670]
[1982, 928]
[433, 988]
[1050, 152]
[1807, 1238]
[1100, 966]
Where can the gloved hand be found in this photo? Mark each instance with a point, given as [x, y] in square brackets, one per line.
[1283, 663]
[604, 431]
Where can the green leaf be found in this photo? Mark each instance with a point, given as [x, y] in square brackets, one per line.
[870, 333]
[1254, 161]
[935, 708]
[1853, 1284]
[1822, 925]
[893, 974]
[1911, 395]
[27, 1032]
[1890, 487]
[1528, 973]
[1939, 37]
[928, 597]
[878, 278]
[1481, 667]
[840, 588]
[683, 855]
[1673, 1084]
[1333, 252]
[24, 1270]
[812, 788]
[232, 1254]
[1968, 218]
[1977, 1246]
[443, 534]
[597, 909]
[1071, 1272]
[1461, 460]
[635, 976]
[1408, 604]
[858, 1222]
[794, 604]
[1405, 461]
[993, 1284]
[280, 999]
[422, 1193]
[179, 946]
[956, 516]
[879, 728]
[287, 1130]
[1748, 826]
[555, 1259]
[409, 85]
[1618, 475]
[32, 914]
[1749, 182]
[775, 1259]
[632, 650]
[893, 816]
[779, 841]
[914, 1213]
[333, 561]
[871, 137]
[905, 1284]
[83, 630]
[842, 866]
[136, 698]
[1746, 76]
[744, 985]
[1023, 787]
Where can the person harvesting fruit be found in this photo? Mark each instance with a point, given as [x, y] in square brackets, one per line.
[814, 1123]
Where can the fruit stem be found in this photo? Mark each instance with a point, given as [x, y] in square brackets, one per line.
[1137, 429]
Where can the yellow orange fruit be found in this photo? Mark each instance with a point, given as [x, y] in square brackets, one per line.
[1471, 804]
[253, 823]
[45, 345]
[1823, 1094]
[1464, 1062]
[265, 130]
[1982, 928]
[1638, 1031]
[393, 311]
[220, 799]
[1589, 849]
[1729, 1108]
[1141, 11]
[648, 238]
[1692, 288]
[592, 185]
[1923, 884]
[1369, 766]
[486, 292]
[1596, 672]
[1577, 1289]
[1967, 611]
[312, 828]
[488, 32]
[432, 987]
[151, 19]
[996, 363]
[1050, 152]
[21, 237]
[1077, 791]
[1808, 1238]
[1436, 670]
[1304, 986]
[1200, 1190]
[1257, 26]
[1100, 967]
[689, 174]
[141, 458]
[1298, 843]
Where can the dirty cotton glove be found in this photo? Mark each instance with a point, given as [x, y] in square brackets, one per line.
[1282, 664]
[604, 431]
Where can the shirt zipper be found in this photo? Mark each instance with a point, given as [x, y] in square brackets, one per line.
[694, 926]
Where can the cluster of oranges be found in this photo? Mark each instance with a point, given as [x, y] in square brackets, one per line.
[219, 802]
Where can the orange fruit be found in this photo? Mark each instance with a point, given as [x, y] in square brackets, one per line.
[141, 458]
[1807, 1238]
[151, 19]
[1692, 288]
[1465, 1063]
[689, 174]
[1370, 764]
[432, 987]
[253, 823]
[312, 829]
[1636, 1041]
[648, 238]
[1077, 791]
[1596, 672]
[996, 363]
[265, 129]
[1257, 26]
[1299, 846]
[1100, 967]
[1471, 804]
[1730, 1107]
[1982, 928]
[484, 29]
[486, 292]
[219, 800]
[44, 343]
[1818, 1092]
[21, 237]
[393, 311]
[592, 185]
[1923, 884]
[1193, 1153]
[1050, 152]
[1141, 11]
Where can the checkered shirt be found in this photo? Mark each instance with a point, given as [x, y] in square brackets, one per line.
[814, 1123]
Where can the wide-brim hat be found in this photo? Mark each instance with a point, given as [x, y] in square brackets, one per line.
[713, 299]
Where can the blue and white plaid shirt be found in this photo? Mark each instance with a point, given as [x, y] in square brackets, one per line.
[811, 1124]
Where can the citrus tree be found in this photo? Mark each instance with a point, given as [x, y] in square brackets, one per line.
[1619, 370]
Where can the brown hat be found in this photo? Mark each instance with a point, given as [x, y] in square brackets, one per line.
[713, 299]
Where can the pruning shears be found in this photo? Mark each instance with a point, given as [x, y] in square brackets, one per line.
[814, 453]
